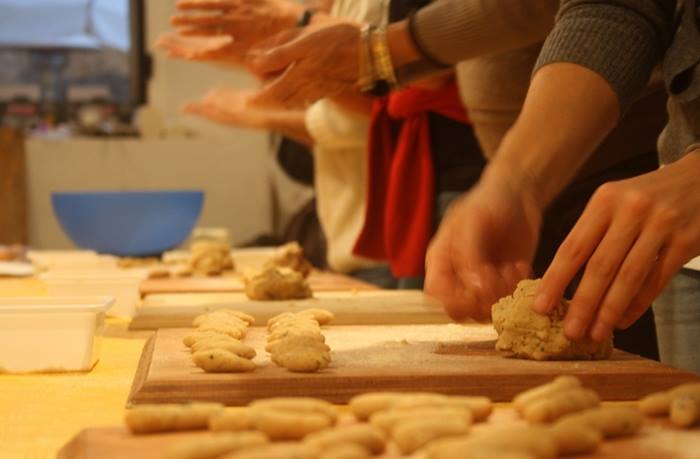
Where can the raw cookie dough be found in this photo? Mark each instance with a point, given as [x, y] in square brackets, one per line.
[210, 257]
[274, 283]
[168, 418]
[222, 361]
[526, 334]
[215, 445]
[232, 345]
[291, 256]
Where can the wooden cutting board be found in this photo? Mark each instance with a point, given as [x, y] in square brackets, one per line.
[656, 440]
[367, 307]
[451, 359]
[320, 281]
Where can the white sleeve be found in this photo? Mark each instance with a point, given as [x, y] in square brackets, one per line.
[333, 128]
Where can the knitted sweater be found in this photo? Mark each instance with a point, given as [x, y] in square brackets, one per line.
[495, 44]
[623, 40]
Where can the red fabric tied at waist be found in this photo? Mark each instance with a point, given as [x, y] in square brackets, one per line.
[401, 190]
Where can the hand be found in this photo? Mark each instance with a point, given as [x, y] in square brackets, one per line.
[247, 21]
[633, 237]
[214, 49]
[484, 246]
[307, 65]
[230, 107]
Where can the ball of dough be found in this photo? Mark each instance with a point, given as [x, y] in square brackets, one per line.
[526, 334]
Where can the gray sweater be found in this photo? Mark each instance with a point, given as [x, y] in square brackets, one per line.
[622, 40]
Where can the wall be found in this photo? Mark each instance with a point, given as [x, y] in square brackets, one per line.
[246, 191]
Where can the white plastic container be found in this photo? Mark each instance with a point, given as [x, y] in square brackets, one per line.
[121, 284]
[45, 334]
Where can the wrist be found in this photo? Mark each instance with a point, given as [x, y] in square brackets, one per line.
[401, 46]
[519, 179]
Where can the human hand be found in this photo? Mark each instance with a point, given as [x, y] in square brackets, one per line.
[247, 21]
[633, 237]
[222, 49]
[231, 107]
[484, 246]
[305, 65]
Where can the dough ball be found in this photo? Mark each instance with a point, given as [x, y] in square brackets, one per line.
[523, 333]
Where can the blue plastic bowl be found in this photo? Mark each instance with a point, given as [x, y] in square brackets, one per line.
[128, 223]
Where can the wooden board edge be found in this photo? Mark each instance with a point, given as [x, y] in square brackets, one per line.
[142, 370]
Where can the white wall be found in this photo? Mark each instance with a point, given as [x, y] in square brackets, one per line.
[235, 167]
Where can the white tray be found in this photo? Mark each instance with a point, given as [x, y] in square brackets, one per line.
[51, 334]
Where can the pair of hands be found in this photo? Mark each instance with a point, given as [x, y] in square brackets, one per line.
[633, 236]
[299, 65]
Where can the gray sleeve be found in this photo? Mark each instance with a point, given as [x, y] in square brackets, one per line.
[449, 31]
[621, 40]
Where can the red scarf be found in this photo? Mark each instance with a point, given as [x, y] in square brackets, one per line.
[401, 189]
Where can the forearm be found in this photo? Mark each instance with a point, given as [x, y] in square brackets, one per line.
[621, 40]
[568, 112]
[290, 124]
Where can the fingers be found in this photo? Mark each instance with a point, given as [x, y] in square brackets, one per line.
[670, 260]
[276, 53]
[207, 4]
[486, 284]
[599, 275]
[442, 283]
[571, 256]
[629, 279]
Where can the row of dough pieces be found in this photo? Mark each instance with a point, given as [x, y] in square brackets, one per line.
[213, 258]
[295, 341]
[563, 417]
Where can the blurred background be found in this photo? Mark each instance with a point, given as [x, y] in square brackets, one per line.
[85, 104]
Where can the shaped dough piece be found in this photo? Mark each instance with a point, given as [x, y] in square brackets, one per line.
[302, 359]
[234, 331]
[369, 437]
[387, 420]
[144, 419]
[498, 442]
[217, 317]
[215, 445]
[413, 434]
[276, 451]
[232, 420]
[199, 335]
[298, 405]
[610, 421]
[290, 256]
[210, 257]
[283, 344]
[365, 405]
[559, 404]
[222, 361]
[276, 284]
[524, 333]
[545, 390]
[345, 451]
[287, 425]
[575, 438]
[233, 346]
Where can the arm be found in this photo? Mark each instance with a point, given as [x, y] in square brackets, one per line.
[325, 58]
[557, 130]
[450, 31]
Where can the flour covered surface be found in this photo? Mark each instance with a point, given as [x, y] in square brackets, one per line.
[523, 333]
